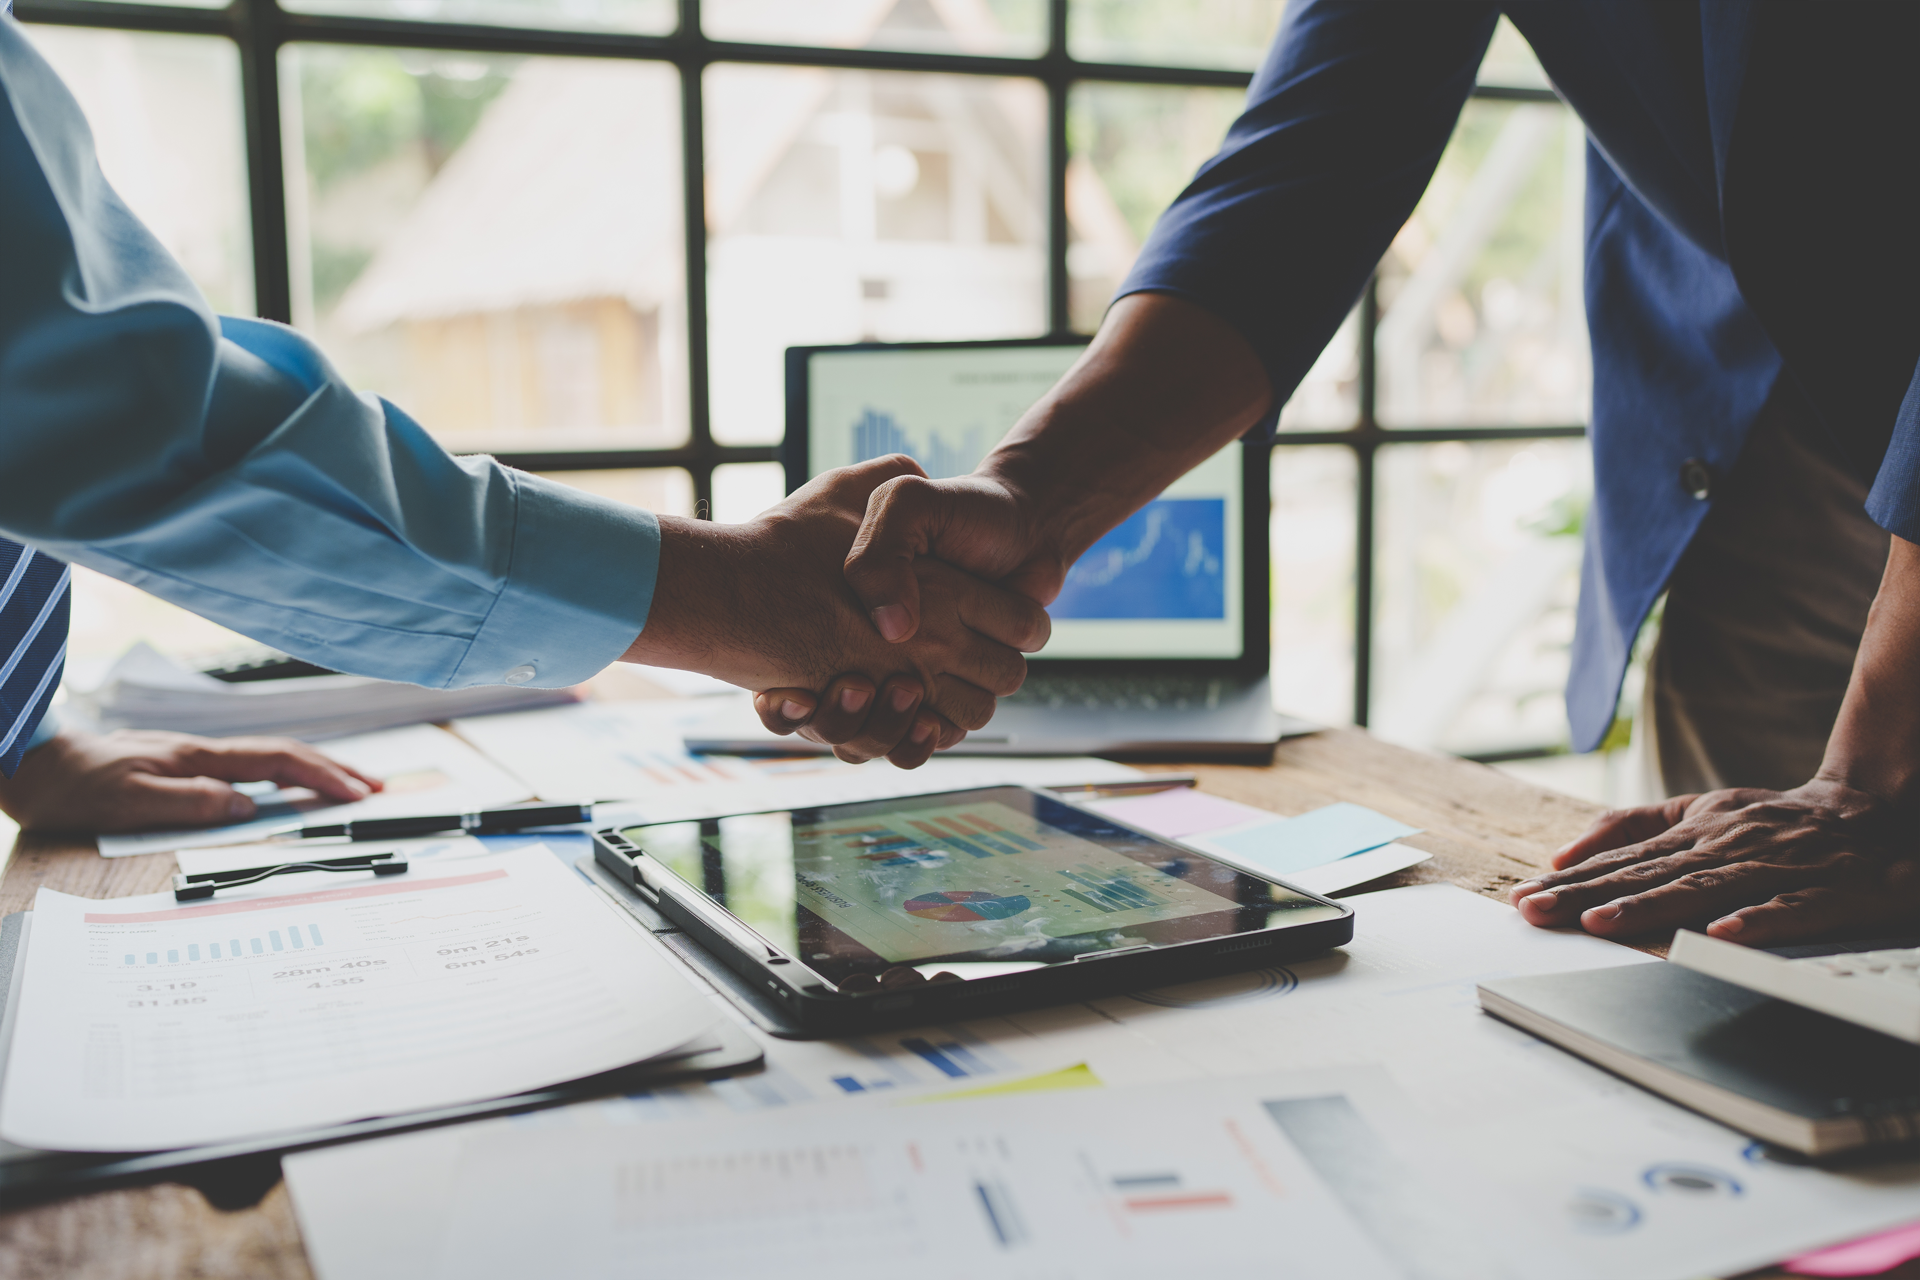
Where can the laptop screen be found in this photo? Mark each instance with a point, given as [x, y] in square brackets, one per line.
[1169, 582]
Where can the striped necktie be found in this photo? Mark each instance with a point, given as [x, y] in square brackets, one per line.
[33, 644]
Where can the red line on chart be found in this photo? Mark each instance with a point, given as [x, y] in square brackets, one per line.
[291, 900]
[1198, 1200]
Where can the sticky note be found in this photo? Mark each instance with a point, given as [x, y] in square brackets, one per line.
[1868, 1256]
[1312, 839]
[1179, 812]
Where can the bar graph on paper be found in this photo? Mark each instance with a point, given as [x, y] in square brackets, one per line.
[286, 939]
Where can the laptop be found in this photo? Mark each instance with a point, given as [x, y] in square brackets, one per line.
[1160, 636]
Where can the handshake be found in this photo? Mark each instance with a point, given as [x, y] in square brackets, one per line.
[834, 608]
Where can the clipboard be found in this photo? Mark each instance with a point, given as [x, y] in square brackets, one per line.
[234, 1175]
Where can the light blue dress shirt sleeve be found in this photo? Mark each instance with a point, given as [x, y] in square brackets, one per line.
[224, 465]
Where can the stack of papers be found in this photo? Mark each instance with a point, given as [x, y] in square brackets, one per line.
[146, 1024]
[147, 690]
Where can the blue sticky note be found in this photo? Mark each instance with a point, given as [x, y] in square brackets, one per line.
[1313, 839]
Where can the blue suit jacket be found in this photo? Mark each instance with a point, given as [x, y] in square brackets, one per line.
[1750, 203]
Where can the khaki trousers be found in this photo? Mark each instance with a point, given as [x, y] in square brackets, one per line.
[1763, 617]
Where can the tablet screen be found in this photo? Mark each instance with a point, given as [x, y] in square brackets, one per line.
[997, 875]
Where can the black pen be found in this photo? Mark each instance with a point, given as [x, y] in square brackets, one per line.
[485, 822]
[1145, 782]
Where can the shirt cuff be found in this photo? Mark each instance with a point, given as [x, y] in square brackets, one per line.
[577, 591]
[1894, 503]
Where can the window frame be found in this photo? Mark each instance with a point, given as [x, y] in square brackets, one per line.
[261, 28]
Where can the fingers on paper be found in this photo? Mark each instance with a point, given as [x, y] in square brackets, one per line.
[150, 800]
[278, 760]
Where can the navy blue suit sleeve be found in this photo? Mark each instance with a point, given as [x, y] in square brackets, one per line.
[1344, 125]
[1894, 502]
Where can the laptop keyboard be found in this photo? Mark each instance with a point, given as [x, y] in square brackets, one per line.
[1121, 693]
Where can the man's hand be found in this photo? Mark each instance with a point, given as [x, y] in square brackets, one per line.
[765, 605]
[1765, 867]
[1837, 856]
[136, 781]
[1164, 386]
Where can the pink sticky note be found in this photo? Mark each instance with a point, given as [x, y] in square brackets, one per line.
[1181, 811]
[1867, 1256]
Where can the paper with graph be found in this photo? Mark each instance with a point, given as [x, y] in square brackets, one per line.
[147, 1024]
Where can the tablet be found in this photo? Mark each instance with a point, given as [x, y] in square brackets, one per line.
[977, 900]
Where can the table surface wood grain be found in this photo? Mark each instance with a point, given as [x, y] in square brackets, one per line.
[1486, 831]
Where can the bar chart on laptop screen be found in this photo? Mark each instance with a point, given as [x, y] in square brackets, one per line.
[1164, 583]
[945, 409]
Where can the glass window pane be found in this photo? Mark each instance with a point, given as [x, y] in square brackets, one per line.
[1482, 316]
[1328, 398]
[742, 490]
[1476, 578]
[493, 243]
[666, 491]
[850, 205]
[1177, 33]
[1134, 148]
[1510, 62]
[1003, 27]
[644, 17]
[165, 114]
[1313, 568]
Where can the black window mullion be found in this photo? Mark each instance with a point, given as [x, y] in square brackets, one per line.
[1059, 85]
[257, 32]
[693, 184]
[1365, 449]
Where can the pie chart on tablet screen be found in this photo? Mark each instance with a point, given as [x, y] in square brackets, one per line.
[961, 906]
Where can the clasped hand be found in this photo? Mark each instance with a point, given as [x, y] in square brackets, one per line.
[766, 605]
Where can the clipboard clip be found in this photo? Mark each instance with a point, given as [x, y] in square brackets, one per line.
[188, 888]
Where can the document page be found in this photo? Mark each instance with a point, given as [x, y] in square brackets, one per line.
[1146, 1182]
[146, 1024]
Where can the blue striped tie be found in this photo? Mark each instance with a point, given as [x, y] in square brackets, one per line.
[33, 644]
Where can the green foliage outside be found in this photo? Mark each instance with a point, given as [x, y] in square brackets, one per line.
[1204, 33]
[364, 109]
[1145, 141]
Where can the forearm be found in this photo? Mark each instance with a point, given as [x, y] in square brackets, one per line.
[1875, 745]
[343, 533]
[1164, 385]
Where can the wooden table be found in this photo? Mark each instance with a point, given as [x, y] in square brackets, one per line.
[1486, 831]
